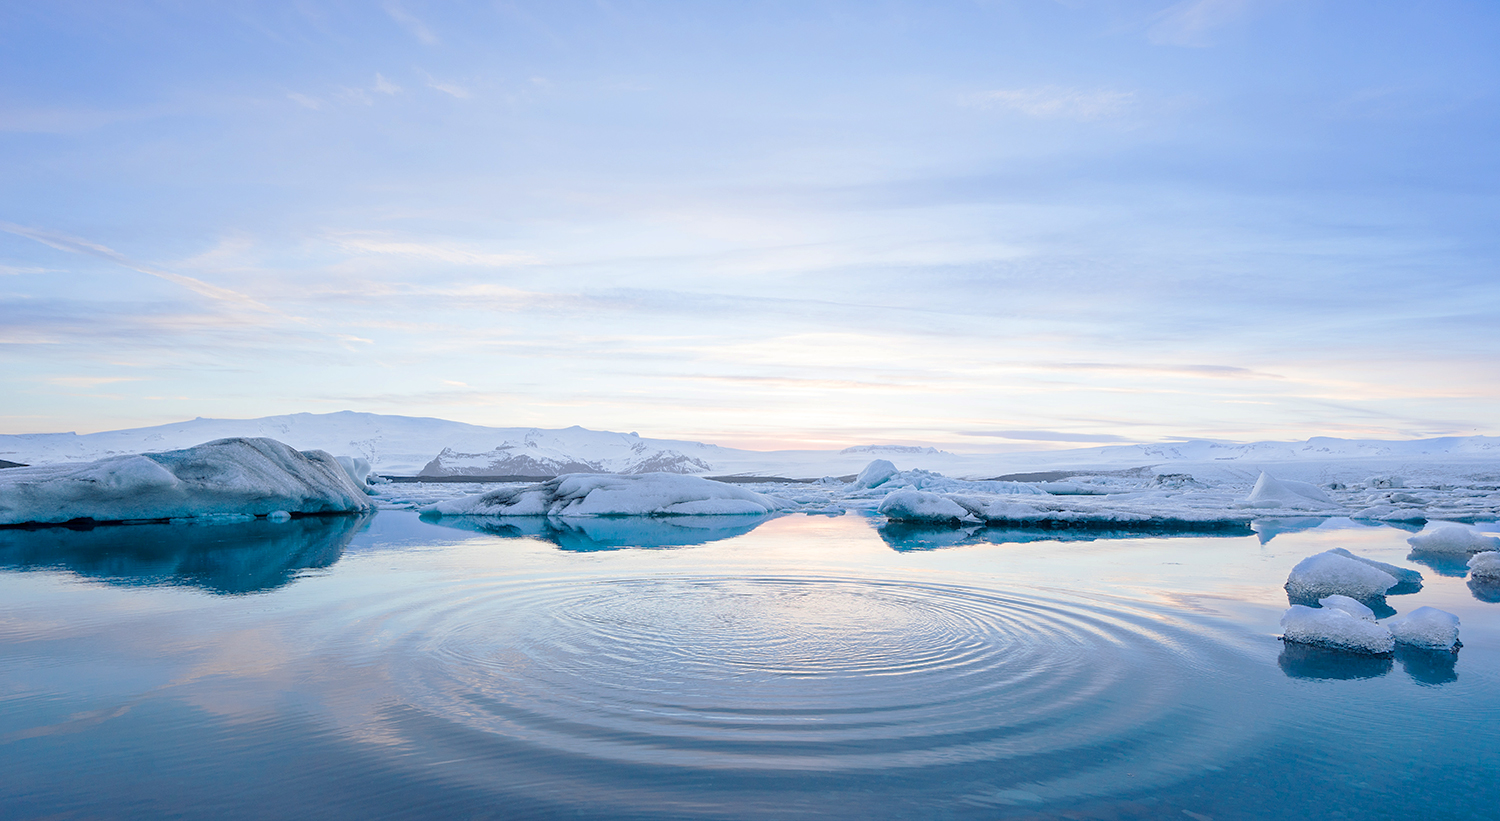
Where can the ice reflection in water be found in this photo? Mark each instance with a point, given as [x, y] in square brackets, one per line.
[609, 533]
[226, 557]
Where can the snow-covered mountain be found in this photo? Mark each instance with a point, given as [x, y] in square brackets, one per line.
[403, 445]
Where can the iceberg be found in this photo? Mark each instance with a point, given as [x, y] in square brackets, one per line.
[921, 506]
[1407, 580]
[244, 477]
[1428, 628]
[1452, 540]
[602, 494]
[1329, 573]
[874, 474]
[1272, 492]
[1335, 629]
[1485, 566]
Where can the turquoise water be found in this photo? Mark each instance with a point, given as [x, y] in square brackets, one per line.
[795, 667]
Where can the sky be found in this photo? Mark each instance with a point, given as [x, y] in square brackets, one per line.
[984, 225]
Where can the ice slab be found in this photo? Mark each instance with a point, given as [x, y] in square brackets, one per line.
[1426, 627]
[253, 477]
[1452, 540]
[921, 506]
[1335, 629]
[1348, 605]
[1407, 580]
[1329, 573]
[1485, 566]
[1271, 492]
[594, 494]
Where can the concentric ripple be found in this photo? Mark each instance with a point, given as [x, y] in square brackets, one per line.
[1040, 694]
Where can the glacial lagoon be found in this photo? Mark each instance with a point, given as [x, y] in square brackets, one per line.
[388, 666]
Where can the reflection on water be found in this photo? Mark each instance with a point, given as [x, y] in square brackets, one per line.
[227, 558]
[1428, 666]
[1268, 529]
[1309, 662]
[609, 533]
[905, 536]
[1485, 590]
[1452, 566]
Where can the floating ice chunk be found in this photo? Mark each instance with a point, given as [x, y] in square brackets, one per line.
[1408, 580]
[279, 516]
[875, 474]
[921, 506]
[599, 494]
[249, 477]
[1336, 629]
[1426, 627]
[1348, 605]
[1452, 540]
[1272, 492]
[1329, 573]
[1485, 566]
[1384, 482]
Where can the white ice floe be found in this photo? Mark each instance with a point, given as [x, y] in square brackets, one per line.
[226, 477]
[1426, 627]
[1348, 605]
[1452, 540]
[584, 494]
[1271, 492]
[1329, 573]
[1485, 566]
[1336, 629]
[921, 506]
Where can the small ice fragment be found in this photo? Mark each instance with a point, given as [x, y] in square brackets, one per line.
[878, 471]
[1384, 482]
[1485, 566]
[1335, 629]
[1348, 605]
[1426, 627]
[1327, 574]
[279, 516]
[1452, 540]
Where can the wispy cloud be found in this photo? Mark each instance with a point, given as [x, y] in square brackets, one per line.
[385, 86]
[75, 245]
[1190, 22]
[417, 28]
[1046, 436]
[374, 244]
[304, 100]
[89, 381]
[1053, 103]
[451, 89]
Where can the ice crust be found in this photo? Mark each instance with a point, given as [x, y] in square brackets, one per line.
[1336, 629]
[1426, 627]
[1452, 540]
[1485, 566]
[1330, 573]
[584, 494]
[228, 477]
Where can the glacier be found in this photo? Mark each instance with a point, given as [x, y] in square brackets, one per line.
[224, 478]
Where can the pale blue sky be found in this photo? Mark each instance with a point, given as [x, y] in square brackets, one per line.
[975, 224]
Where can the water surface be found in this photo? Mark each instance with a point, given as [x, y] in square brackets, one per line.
[792, 667]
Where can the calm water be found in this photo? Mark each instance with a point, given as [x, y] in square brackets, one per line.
[804, 667]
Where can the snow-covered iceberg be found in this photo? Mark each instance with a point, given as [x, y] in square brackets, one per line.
[1270, 492]
[921, 506]
[591, 494]
[1428, 628]
[1330, 573]
[1336, 629]
[1452, 540]
[227, 477]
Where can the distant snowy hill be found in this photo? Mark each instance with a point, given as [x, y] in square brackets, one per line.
[402, 445]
